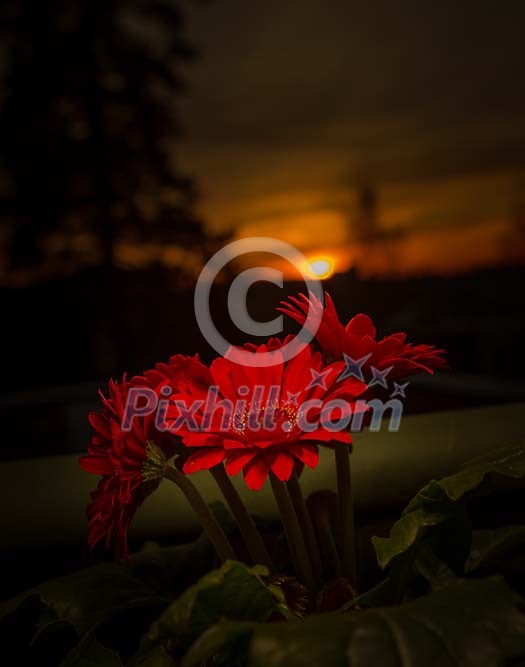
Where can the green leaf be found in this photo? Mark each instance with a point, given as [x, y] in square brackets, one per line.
[386, 592]
[465, 624]
[103, 602]
[438, 502]
[152, 655]
[491, 544]
[90, 653]
[224, 642]
[18, 622]
[27, 601]
[172, 569]
[85, 599]
[96, 594]
[234, 592]
[107, 597]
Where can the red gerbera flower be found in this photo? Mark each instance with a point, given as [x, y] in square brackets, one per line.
[130, 464]
[272, 344]
[357, 339]
[256, 421]
[179, 367]
[113, 506]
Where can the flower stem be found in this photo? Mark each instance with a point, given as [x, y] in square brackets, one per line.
[322, 506]
[246, 524]
[209, 523]
[305, 522]
[294, 537]
[346, 512]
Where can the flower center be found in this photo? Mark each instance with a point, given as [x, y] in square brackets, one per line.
[155, 463]
[279, 417]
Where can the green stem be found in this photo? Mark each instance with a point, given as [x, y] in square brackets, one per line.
[252, 538]
[346, 512]
[320, 506]
[306, 525]
[428, 565]
[294, 537]
[209, 523]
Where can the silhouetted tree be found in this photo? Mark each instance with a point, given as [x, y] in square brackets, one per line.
[88, 127]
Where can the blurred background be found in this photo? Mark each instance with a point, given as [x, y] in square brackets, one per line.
[137, 137]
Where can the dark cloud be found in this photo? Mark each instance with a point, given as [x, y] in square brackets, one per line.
[396, 91]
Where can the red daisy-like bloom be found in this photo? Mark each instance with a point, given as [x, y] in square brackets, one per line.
[357, 339]
[179, 367]
[262, 430]
[272, 344]
[113, 506]
[130, 464]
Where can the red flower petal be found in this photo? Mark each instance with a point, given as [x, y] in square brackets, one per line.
[98, 465]
[202, 440]
[361, 325]
[255, 473]
[325, 435]
[204, 459]
[237, 460]
[281, 464]
[99, 424]
[307, 454]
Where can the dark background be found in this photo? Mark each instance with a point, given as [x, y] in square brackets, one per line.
[137, 137]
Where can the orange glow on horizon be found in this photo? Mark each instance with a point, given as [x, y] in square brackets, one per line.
[321, 267]
[444, 251]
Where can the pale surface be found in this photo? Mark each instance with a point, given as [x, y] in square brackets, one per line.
[44, 500]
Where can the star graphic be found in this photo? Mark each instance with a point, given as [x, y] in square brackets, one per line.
[379, 377]
[292, 398]
[318, 379]
[354, 367]
[399, 390]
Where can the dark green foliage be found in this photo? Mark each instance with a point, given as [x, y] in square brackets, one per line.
[439, 505]
[156, 611]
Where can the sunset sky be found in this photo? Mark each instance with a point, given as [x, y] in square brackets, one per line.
[295, 106]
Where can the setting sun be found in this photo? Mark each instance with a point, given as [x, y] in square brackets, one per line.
[320, 267]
